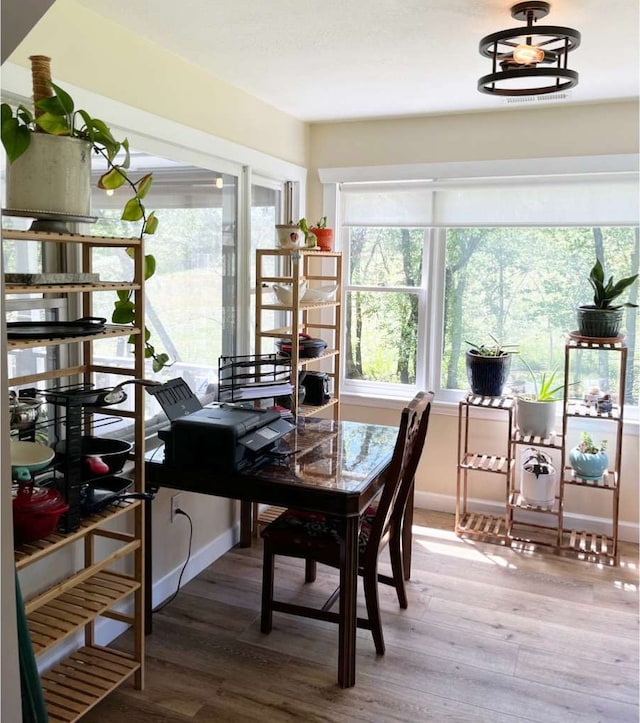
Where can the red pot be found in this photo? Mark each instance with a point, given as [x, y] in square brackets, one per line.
[36, 512]
[325, 238]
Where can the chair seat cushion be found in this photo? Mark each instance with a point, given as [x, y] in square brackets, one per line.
[313, 530]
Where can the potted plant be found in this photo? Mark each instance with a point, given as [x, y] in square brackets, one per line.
[37, 170]
[323, 234]
[601, 320]
[291, 235]
[488, 366]
[588, 459]
[536, 413]
[538, 478]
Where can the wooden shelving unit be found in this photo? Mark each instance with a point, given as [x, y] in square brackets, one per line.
[477, 523]
[320, 319]
[94, 590]
[526, 526]
[591, 545]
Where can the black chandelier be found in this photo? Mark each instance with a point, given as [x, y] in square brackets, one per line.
[532, 60]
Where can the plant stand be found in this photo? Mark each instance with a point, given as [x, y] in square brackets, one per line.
[589, 544]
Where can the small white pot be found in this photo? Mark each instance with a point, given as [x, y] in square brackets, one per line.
[290, 236]
[536, 418]
[539, 491]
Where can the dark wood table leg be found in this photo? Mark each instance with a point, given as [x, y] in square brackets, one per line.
[348, 605]
[407, 536]
[246, 509]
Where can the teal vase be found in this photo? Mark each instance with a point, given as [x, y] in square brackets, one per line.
[588, 466]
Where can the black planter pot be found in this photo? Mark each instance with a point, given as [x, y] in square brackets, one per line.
[487, 375]
[597, 323]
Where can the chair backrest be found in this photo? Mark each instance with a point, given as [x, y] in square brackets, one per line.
[406, 455]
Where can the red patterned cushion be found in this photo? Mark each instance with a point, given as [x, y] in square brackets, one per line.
[312, 529]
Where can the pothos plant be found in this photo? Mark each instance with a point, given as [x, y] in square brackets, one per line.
[59, 117]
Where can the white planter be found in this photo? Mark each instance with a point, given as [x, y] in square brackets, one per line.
[53, 176]
[538, 491]
[536, 418]
[290, 236]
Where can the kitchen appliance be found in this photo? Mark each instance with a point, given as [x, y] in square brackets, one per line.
[308, 347]
[316, 385]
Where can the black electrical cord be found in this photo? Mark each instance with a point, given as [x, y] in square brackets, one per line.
[186, 562]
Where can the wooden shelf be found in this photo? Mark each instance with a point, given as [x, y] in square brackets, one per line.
[31, 552]
[609, 480]
[516, 501]
[69, 238]
[488, 527]
[109, 332]
[84, 678]
[590, 545]
[71, 611]
[69, 288]
[486, 463]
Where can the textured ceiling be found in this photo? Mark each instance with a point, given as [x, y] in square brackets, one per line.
[347, 59]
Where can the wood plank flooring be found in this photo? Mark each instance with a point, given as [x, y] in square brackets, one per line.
[490, 635]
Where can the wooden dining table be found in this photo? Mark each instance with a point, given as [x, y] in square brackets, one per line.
[325, 466]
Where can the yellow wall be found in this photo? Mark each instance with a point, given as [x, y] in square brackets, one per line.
[94, 53]
[541, 132]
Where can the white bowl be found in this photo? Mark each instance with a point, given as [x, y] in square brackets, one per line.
[323, 293]
[284, 292]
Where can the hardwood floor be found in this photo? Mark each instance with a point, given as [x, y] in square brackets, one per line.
[490, 635]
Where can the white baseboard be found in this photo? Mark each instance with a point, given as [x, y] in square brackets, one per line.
[627, 531]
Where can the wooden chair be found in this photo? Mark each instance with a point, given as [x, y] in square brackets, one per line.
[317, 538]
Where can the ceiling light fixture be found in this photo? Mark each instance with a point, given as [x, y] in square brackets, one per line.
[520, 53]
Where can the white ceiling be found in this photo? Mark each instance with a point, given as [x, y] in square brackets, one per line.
[321, 60]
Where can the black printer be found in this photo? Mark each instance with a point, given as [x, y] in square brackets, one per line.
[222, 438]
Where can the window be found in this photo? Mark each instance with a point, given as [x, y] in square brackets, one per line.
[428, 271]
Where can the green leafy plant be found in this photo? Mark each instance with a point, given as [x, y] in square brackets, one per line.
[604, 294]
[322, 223]
[588, 446]
[495, 349]
[59, 117]
[543, 389]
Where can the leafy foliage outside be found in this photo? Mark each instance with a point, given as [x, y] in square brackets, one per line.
[517, 284]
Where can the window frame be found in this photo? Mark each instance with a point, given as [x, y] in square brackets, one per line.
[428, 367]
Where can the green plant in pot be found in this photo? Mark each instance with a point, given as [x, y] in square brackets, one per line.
[588, 459]
[58, 124]
[602, 319]
[488, 366]
[538, 478]
[324, 235]
[536, 413]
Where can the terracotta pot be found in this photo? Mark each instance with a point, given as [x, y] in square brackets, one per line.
[325, 238]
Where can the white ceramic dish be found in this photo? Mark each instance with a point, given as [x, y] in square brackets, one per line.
[323, 293]
[284, 292]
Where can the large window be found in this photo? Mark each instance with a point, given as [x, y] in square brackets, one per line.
[422, 281]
